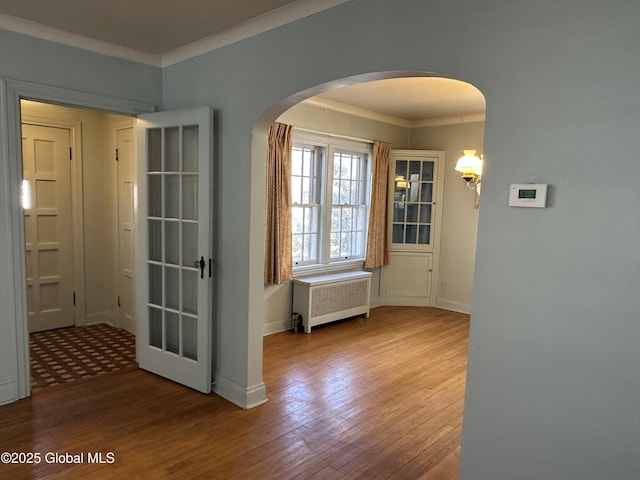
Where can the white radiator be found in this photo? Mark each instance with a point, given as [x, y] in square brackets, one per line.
[327, 298]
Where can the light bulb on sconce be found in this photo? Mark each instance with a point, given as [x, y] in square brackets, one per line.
[470, 165]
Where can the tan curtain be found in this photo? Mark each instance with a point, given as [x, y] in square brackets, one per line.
[378, 239]
[278, 266]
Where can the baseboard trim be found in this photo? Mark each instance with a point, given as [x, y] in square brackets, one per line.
[453, 306]
[276, 326]
[95, 318]
[244, 397]
[8, 392]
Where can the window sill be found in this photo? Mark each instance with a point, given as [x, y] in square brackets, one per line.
[345, 266]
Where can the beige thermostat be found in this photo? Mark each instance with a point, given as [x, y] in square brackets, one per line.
[528, 195]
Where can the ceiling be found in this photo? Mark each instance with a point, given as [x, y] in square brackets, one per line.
[156, 26]
[194, 26]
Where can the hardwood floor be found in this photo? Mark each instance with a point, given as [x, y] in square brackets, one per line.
[377, 398]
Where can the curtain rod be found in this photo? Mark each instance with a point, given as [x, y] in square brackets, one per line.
[334, 135]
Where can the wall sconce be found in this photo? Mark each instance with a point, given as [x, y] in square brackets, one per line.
[470, 166]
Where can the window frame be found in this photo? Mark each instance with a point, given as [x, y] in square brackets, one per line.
[328, 145]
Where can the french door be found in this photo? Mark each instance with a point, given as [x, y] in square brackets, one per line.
[173, 246]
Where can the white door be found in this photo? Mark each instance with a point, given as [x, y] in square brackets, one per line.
[46, 164]
[126, 179]
[173, 246]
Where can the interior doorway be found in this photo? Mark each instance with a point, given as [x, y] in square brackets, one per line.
[78, 170]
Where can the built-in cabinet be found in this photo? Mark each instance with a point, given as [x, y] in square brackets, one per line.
[415, 210]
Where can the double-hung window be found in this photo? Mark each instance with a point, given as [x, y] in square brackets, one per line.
[330, 182]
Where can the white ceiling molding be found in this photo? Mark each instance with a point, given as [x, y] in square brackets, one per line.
[401, 122]
[357, 111]
[269, 21]
[44, 32]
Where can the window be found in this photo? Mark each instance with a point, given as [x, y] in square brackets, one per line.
[330, 181]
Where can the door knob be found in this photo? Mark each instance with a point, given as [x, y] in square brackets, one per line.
[200, 264]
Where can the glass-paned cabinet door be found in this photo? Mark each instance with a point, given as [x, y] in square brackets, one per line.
[415, 184]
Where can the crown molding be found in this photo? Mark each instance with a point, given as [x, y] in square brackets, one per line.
[264, 23]
[357, 111]
[44, 32]
[390, 119]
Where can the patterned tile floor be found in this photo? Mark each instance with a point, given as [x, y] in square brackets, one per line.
[74, 353]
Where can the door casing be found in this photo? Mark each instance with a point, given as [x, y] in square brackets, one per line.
[11, 93]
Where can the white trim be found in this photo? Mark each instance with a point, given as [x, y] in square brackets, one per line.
[7, 392]
[10, 94]
[453, 306]
[244, 397]
[390, 119]
[264, 23]
[276, 326]
[357, 111]
[100, 317]
[51, 34]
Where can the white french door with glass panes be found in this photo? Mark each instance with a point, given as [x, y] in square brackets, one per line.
[173, 246]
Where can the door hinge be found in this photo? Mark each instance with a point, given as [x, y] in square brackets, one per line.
[74, 298]
[117, 155]
[70, 153]
[119, 301]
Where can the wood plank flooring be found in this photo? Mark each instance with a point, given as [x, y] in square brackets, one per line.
[376, 398]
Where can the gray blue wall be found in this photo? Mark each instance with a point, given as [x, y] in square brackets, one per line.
[553, 385]
[553, 388]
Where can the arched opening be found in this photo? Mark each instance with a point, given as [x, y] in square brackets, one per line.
[334, 379]
[411, 110]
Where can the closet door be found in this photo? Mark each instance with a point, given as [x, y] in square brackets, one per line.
[415, 207]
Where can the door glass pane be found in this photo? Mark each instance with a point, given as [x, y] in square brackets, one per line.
[427, 171]
[190, 197]
[189, 338]
[426, 192]
[189, 243]
[398, 212]
[414, 169]
[172, 196]
[154, 159]
[172, 288]
[412, 202]
[398, 233]
[411, 234]
[424, 234]
[155, 327]
[172, 242]
[155, 195]
[412, 213]
[155, 240]
[172, 149]
[425, 213]
[172, 332]
[190, 149]
[155, 284]
[190, 291]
